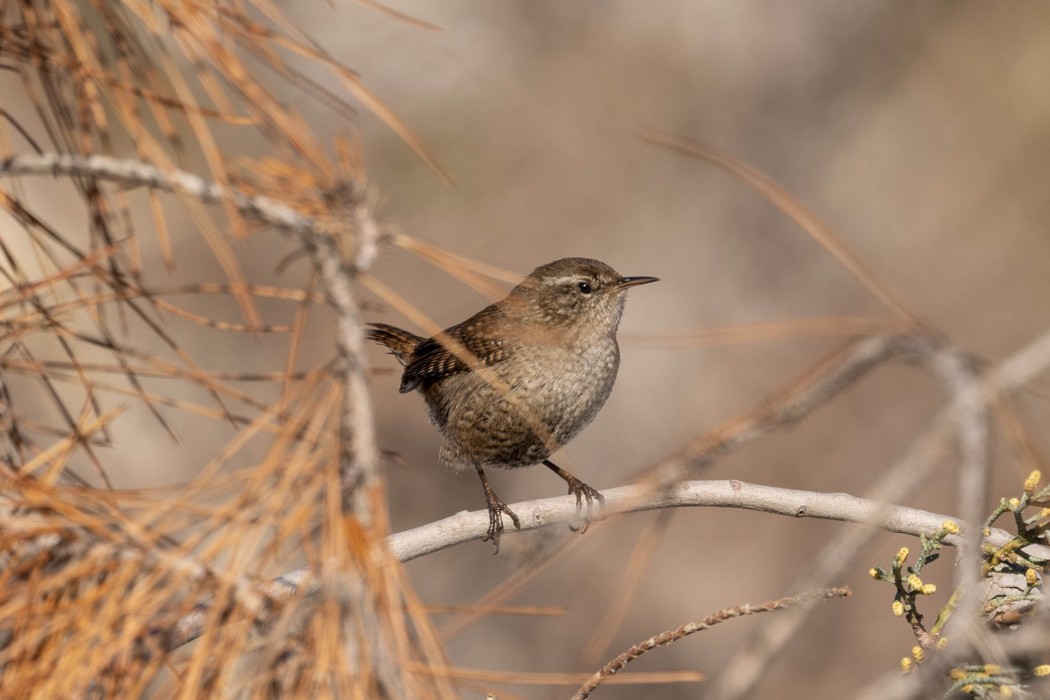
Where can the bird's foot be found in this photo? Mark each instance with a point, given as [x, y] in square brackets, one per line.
[496, 510]
[583, 491]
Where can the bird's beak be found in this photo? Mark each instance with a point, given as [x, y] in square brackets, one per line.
[635, 281]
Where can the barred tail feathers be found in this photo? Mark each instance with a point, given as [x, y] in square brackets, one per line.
[398, 341]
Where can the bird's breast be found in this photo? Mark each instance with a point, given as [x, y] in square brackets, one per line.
[566, 387]
[517, 412]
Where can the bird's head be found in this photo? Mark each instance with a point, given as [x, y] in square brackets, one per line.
[575, 292]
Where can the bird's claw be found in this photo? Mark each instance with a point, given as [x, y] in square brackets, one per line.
[496, 510]
[581, 491]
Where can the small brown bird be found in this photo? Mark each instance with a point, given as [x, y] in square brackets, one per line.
[520, 378]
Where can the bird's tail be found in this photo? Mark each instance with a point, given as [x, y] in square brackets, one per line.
[400, 342]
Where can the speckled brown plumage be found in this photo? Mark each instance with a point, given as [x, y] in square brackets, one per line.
[520, 378]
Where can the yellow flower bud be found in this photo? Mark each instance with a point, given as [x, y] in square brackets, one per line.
[1042, 670]
[942, 642]
[898, 608]
[929, 589]
[1015, 503]
[957, 674]
[917, 653]
[901, 556]
[1006, 691]
[951, 527]
[873, 572]
[993, 669]
[914, 582]
[1031, 577]
[906, 665]
[1032, 481]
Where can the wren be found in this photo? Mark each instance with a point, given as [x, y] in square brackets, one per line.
[520, 378]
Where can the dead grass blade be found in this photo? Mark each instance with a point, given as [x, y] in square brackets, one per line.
[782, 200]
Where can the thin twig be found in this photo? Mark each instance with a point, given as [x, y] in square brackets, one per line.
[134, 173]
[360, 458]
[674, 635]
[970, 417]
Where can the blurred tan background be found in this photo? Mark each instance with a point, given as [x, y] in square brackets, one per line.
[917, 131]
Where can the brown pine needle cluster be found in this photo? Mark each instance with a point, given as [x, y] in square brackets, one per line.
[103, 587]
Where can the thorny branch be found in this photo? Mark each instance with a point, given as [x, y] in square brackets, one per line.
[665, 638]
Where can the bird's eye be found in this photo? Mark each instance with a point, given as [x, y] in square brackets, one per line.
[585, 287]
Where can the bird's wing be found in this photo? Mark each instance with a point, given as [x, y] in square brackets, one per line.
[440, 356]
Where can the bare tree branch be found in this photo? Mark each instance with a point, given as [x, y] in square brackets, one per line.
[135, 173]
[467, 526]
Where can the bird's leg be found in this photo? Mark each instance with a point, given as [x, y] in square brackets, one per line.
[496, 510]
[580, 490]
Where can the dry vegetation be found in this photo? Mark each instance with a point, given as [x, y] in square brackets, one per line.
[194, 482]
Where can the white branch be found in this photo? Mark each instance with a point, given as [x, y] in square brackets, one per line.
[134, 173]
[466, 526]
[473, 525]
